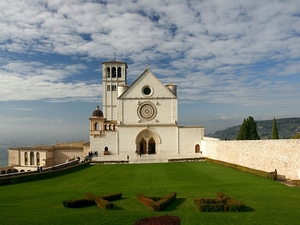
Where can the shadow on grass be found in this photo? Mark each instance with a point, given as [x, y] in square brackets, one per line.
[175, 204]
[115, 207]
[248, 209]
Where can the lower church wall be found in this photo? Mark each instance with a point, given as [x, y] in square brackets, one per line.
[266, 155]
[165, 135]
[189, 137]
[99, 144]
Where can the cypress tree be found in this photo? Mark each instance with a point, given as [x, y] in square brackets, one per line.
[274, 130]
[248, 130]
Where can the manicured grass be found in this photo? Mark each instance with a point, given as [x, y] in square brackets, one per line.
[40, 202]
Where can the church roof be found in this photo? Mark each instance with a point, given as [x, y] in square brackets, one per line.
[147, 72]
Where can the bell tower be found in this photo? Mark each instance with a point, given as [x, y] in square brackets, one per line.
[114, 73]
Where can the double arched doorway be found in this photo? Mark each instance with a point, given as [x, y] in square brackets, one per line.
[147, 142]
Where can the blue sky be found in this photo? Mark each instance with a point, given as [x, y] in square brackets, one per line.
[230, 60]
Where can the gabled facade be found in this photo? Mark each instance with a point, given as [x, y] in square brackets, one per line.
[143, 119]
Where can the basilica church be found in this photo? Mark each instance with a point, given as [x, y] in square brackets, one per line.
[138, 119]
[141, 117]
[140, 122]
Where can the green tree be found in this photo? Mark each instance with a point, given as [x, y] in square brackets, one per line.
[296, 136]
[274, 130]
[248, 130]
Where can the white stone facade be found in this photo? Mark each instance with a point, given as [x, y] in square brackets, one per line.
[143, 117]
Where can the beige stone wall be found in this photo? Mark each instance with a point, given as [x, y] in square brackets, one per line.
[66, 154]
[108, 140]
[266, 155]
[13, 157]
[189, 137]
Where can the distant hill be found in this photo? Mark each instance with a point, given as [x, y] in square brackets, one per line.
[286, 128]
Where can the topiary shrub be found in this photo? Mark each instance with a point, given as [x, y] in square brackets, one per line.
[159, 220]
[233, 205]
[91, 199]
[157, 203]
[78, 203]
[223, 203]
[104, 204]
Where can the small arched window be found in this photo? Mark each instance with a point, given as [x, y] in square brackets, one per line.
[119, 72]
[113, 72]
[97, 126]
[108, 72]
[197, 148]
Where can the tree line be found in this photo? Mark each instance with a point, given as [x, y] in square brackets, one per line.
[248, 130]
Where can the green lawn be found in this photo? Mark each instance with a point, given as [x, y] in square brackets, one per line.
[39, 202]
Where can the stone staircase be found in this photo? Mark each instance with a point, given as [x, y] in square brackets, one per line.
[282, 179]
[137, 159]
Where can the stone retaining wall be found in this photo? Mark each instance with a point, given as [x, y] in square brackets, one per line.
[266, 155]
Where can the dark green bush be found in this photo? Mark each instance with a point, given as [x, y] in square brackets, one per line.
[78, 203]
[91, 199]
[25, 177]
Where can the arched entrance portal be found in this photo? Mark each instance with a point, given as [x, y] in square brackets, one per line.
[147, 142]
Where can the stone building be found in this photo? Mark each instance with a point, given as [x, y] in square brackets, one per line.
[142, 119]
[139, 118]
[29, 158]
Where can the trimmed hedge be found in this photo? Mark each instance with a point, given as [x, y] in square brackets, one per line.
[157, 203]
[78, 203]
[159, 220]
[244, 169]
[34, 175]
[223, 203]
[104, 204]
[91, 199]
[296, 182]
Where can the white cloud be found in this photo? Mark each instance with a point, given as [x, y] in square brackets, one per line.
[218, 51]
[35, 81]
